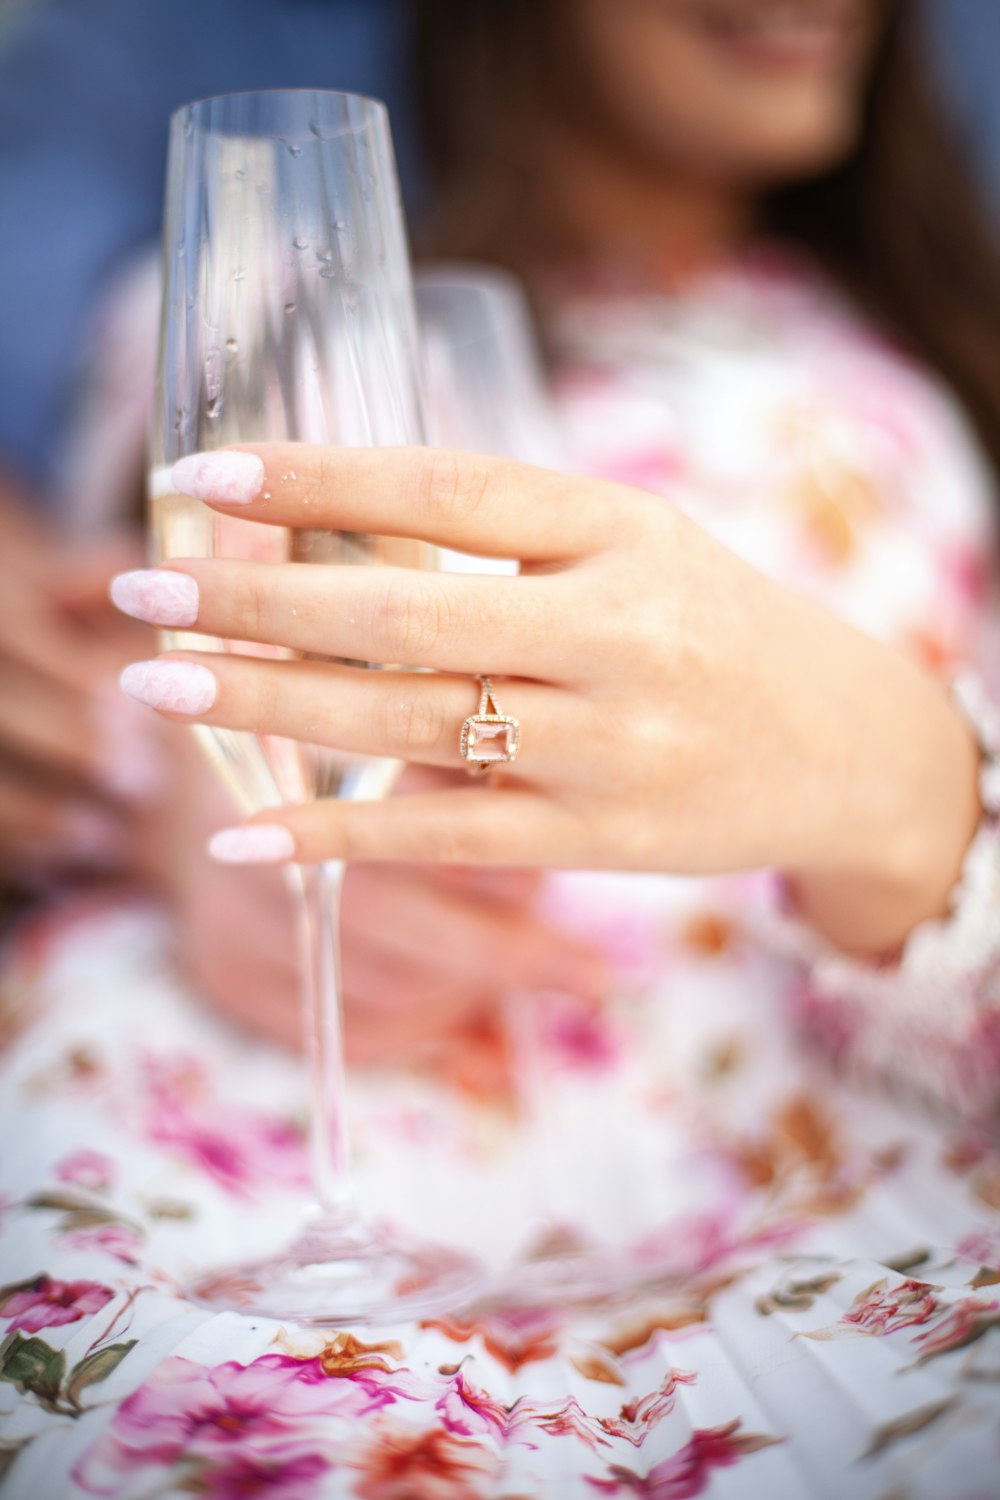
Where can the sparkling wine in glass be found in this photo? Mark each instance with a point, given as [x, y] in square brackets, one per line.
[288, 316]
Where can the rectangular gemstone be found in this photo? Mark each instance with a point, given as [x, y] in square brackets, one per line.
[490, 741]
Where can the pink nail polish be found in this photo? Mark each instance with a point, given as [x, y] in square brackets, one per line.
[180, 687]
[159, 597]
[254, 844]
[227, 477]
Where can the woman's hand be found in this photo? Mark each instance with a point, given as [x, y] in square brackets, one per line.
[679, 711]
[427, 951]
[73, 765]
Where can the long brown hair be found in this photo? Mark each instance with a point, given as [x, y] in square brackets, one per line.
[899, 223]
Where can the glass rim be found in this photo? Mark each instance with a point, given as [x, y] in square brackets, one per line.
[374, 105]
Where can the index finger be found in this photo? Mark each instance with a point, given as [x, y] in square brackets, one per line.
[468, 501]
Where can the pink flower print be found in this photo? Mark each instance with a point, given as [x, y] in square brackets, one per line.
[86, 1169]
[403, 1464]
[244, 1476]
[982, 1246]
[570, 1420]
[961, 1325]
[579, 1034]
[266, 1422]
[466, 1411]
[46, 1303]
[241, 1148]
[689, 1472]
[637, 1419]
[880, 1311]
[119, 1240]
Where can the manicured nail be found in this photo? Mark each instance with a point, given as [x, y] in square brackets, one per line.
[230, 478]
[160, 597]
[181, 687]
[253, 844]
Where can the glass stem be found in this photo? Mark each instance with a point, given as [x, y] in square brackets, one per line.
[333, 1183]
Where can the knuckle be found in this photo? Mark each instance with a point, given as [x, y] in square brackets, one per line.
[263, 693]
[316, 481]
[252, 605]
[447, 841]
[413, 724]
[409, 617]
[453, 486]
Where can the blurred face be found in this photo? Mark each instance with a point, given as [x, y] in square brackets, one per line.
[749, 92]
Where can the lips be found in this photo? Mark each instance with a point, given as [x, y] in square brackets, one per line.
[782, 33]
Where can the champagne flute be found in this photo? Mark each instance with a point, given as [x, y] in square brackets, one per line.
[287, 316]
[486, 391]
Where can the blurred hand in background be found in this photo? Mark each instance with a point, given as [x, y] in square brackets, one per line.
[75, 770]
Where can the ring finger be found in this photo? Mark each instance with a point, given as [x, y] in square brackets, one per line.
[403, 715]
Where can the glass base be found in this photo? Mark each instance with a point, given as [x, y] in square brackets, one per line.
[345, 1272]
[563, 1270]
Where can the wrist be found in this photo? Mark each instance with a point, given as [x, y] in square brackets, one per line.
[896, 841]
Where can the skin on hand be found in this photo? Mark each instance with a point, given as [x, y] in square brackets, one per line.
[427, 952]
[679, 711]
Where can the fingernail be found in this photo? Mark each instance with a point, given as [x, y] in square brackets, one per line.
[253, 844]
[159, 597]
[180, 687]
[231, 478]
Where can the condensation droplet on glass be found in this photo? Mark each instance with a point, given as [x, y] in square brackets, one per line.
[292, 474]
[290, 307]
[327, 271]
[239, 174]
[294, 150]
[326, 256]
[231, 346]
[339, 225]
[300, 242]
[239, 274]
[266, 495]
[316, 130]
[213, 408]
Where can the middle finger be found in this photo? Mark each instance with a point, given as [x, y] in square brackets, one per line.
[452, 622]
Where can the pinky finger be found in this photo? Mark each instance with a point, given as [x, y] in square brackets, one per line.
[470, 826]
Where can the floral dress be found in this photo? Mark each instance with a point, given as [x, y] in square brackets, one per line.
[809, 1301]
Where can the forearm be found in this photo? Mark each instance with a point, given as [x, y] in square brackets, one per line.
[901, 766]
